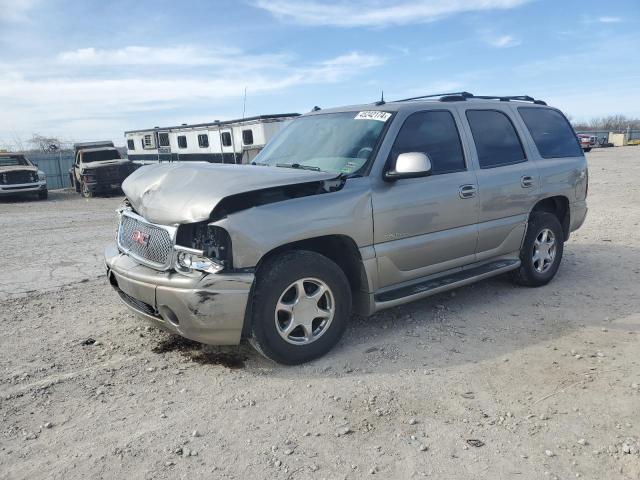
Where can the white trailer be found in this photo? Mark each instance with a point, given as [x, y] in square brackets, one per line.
[232, 141]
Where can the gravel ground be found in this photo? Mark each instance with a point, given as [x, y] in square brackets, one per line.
[490, 381]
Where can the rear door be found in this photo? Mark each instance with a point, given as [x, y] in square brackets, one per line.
[508, 181]
[426, 225]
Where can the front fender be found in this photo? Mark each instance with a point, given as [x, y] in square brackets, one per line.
[258, 230]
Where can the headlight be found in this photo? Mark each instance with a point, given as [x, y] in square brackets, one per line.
[41, 175]
[202, 247]
[188, 260]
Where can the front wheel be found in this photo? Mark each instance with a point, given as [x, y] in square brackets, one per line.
[43, 194]
[301, 305]
[86, 191]
[541, 251]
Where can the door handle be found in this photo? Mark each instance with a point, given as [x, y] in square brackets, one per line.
[467, 191]
[526, 181]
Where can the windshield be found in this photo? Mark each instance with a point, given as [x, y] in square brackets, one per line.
[331, 142]
[100, 156]
[10, 161]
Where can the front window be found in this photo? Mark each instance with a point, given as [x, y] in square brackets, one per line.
[331, 142]
[13, 160]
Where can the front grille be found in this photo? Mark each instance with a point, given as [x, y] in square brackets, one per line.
[154, 245]
[18, 177]
[108, 174]
[137, 304]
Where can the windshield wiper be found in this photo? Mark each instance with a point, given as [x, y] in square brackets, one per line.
[298, 165]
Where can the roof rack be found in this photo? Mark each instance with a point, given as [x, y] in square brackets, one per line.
[462, 96]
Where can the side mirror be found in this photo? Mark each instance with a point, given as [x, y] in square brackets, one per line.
[410, 165]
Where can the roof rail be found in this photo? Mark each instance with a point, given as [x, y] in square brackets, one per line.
[462, 96]
[518, 98]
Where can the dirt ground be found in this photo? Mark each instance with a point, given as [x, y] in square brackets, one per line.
[491, 381]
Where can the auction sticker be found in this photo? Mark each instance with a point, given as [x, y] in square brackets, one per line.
[373, 115]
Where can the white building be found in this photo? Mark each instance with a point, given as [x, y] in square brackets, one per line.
[232, 141]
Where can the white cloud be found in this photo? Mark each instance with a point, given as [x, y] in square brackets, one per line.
[374, 12]
[36, 96]
[609, 19]
[15, 11]
[186, 55]
[503, 41]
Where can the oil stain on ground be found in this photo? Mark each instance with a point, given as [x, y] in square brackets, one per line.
[200, 353]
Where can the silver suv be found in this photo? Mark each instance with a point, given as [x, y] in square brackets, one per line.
[352, 209]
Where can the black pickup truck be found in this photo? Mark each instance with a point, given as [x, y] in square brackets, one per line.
[98, 168]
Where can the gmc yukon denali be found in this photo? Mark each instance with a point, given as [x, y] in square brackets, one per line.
[350, 210]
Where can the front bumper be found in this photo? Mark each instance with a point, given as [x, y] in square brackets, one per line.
[19, 188]
[99, 187]
[208, 308]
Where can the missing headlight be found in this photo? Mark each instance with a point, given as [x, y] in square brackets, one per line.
[214, 242]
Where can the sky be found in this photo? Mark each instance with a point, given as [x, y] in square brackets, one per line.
[90, 69]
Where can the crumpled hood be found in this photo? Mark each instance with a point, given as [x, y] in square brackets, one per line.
[175, 193]
[18, 168]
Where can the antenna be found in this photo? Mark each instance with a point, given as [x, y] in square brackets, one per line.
[381, 101]
[244, 103]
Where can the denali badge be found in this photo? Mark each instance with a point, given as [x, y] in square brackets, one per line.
[140, 238]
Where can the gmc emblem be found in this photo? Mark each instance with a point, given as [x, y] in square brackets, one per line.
[140, 238]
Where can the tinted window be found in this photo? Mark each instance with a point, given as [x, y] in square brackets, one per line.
[163, 139]
[182, 141]
[247, 137]
[497, 142]
[226, 139]
[433, 133]
[551, 132]
[203, 140]
[131, 145]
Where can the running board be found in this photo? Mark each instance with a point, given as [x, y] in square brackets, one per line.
[433, 285]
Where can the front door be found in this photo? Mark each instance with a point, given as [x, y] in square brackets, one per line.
[508, 182]
[426, 225]
[164, 146]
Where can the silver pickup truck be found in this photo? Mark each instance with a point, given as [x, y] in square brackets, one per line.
[351, 209]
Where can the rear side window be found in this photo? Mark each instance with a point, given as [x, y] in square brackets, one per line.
[131, 145]
[182, 141]
[226, 139]
[551, 132]
[495, 137]
[434, 133]
[203, 140]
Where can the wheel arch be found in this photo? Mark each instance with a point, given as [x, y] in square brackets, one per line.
[557, 205]
[341, 249]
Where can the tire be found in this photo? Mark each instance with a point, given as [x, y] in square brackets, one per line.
[587, 149]
[84, 189]
[532, 272]
[277, 286]
[43, 195]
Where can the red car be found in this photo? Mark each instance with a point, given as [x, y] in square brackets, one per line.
[587, 142]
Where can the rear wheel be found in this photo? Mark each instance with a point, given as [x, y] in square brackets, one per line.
[301, 305]
[541, 251]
